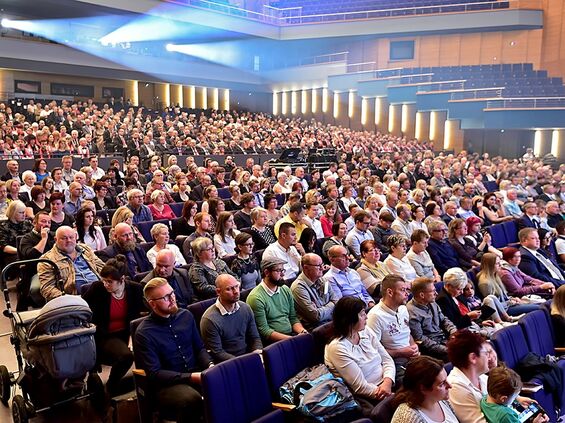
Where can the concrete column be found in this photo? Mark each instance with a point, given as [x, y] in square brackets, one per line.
[340, 108]
[381, 114]
[176, 94]
[277, 103]
[422, 127]
[146, 94]
[453, 135]
[395, 119]
[408, 124]
[558, 144]
[131, 92]
[328, 105]
[354, 110]
[542, 142]
[437, 128]
[212, 98]
[285, 103]
[225, 99]
[161, 95]
[189, 96]
[306, 103]
[367, 114]
[296, 102]
[316, 103]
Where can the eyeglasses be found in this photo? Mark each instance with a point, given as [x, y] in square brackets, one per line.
[208, 249]
[168, 298]
[439, 230]
[248, 244]
[277, 270]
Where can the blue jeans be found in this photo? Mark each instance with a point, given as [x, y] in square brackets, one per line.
[515, 310]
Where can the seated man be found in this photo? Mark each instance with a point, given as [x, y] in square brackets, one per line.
[313, 297]
[535, 262]
[141, 212]
[343, 280]
[202, 222]
[124, 243]
[168, 347]
[359, 233]
[440, 250]
[32, 246]
[389, 320]
[285, 249]
[273, 305]
[428, 326]
[228, 327]
[178, 278]
[295, 217]
[383, 231]
[77, 264]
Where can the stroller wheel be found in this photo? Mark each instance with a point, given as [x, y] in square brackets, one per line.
[19, 410]
[5, 385]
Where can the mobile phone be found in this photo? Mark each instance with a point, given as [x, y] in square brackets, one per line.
[527, 415]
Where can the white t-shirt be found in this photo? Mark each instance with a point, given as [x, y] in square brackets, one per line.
[390, 327]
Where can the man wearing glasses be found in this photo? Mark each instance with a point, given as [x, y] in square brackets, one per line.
[273, 305]
[359, 233]
[313, 297]
[141, 212]
[442, 253]
[168, 347]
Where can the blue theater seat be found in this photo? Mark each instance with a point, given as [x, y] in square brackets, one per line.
[198, 309]
[511, 231]
[236, 391]
[498, 235]
[177, 208]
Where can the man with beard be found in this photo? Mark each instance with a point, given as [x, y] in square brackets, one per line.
[77, 264]
[273, 304]
[168, 347]
[124, 243]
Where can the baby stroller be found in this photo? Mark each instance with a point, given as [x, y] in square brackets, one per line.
[55, 351]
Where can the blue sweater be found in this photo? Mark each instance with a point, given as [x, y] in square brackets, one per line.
[170, 349]
[443, 255]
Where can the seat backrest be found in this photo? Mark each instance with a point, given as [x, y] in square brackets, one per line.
[177, 208]
[498, 236]
[538, 332]
[146, 246]
[322, 336]
[198, 309]
[284, 359]
[236, 391]
[510, 345]
[229, 259]
[145, 227]
[384, 410]
[224, 193]
[511, 231]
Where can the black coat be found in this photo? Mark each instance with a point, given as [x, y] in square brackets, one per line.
[451, 311]
[99, 301]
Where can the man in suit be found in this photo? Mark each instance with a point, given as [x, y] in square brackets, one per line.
[178, 278]
[197, 193]
[548, 193]
[535, 262]
[13, 171]
[554, 216]
[530, 219]
[124, 243]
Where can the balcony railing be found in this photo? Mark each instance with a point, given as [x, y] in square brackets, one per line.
[527, 103]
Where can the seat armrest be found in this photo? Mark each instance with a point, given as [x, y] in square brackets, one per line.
[283, 406]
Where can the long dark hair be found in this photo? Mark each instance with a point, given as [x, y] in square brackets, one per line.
[421, 372]
[80, 224]
[306, 237]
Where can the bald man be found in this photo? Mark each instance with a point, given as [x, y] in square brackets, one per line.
[228, 327]
[77, 264]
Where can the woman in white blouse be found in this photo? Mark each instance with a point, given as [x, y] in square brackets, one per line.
[89, 233]
[397, 263]
[224, 240]
[418, 216]
[160, 234]
[357, 356]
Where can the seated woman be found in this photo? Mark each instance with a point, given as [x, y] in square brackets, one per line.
[331, 216]
[124, 214]
[224, 239]
[424, 394]
[159, 208]
[558, 316]
[371, 270]
[493, 210]
[10, 229]
[465, 248]
[89, 233]
[38, 202]
[356, 355]
[101, 199]
[339, 232]
[262, 235]
[491, 284]
[245, 265]
[160, 234]
[115, 301]
[209, 193]
[308, 240]
[185, 224]
[273, 213]
[516, 282]
[483, 243]
[58, 216]
[418, 215]
[205, 269]
[397, 262]
[419, 257]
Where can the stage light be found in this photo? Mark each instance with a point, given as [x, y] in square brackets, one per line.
[5, 23]
[170, 47]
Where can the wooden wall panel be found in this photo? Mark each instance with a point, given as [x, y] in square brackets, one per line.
[491, 48]
[449, 47]
[428, 50]
[470, 49]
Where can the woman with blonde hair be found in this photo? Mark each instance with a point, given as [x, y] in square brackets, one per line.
[160, 234]
[159, 208]
[224, 239]
[10, 229]
[491, 284]
[124, 215]
[372, 204]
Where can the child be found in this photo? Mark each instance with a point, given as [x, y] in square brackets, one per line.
[503, 387]
[474, 303]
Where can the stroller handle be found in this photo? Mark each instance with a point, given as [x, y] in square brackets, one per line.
[32, 261]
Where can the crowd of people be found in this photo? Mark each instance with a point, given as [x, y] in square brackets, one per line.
[388, 243]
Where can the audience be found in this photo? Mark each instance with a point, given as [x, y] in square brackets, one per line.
[160, 234]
